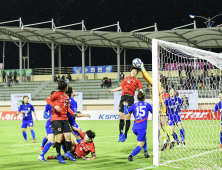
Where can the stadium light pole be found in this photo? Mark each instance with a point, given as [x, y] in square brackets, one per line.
[208, 21]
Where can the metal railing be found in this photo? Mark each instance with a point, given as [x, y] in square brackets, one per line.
[69, 70]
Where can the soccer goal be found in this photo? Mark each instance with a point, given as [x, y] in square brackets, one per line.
[195, 74]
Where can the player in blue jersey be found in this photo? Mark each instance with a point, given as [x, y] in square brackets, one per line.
[173, 104]
[73, 107]
[47, 114]
[218, 107]
[26, 108]
[140, 111]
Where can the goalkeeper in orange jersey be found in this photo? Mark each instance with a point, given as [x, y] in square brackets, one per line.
[162, 110]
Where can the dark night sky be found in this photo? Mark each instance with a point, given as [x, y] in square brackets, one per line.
[132, 14]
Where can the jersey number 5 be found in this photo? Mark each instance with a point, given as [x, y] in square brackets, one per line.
[140, 111]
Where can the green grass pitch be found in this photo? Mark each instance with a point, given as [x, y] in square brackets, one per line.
[110, 155]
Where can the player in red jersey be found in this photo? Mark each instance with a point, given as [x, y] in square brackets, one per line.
[60, 124]
[82, 149]
[129, 86]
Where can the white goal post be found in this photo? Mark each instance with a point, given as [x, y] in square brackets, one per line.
[207, 153]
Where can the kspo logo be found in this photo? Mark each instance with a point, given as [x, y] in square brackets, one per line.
[103, 116]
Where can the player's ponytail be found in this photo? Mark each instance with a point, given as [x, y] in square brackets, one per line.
[70, 91]
[141, 96]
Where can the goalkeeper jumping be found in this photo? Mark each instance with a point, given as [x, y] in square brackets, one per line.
[162, 110]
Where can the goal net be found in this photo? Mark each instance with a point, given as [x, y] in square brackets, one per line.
[196, 76]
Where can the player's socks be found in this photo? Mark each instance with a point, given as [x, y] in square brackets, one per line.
[78, 140]
[175, 136]
[121, 125]
[220, 137]
[58, 148]
[127, 126]
[44, 141]
[136, 151]
[24, 135]
[163, 135]
[46, 148]
[33, 134]
[169, 131]
[68, 146]
[64, 146]
[182, 135]
[145, 146]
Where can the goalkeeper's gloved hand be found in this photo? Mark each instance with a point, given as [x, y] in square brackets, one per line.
[45, 115]
[142, 66]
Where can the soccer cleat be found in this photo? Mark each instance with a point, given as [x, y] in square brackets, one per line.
[61, 160]
[178, 143]
[220, 146]
[41, 149]
[172, 145]
[51, 157]
[164, 146]
[130, 158]
[183, 143]
[26, 141]
[33, 141]
[123, 138]
[68, 155]
[41, 158]
[146, 154]
[120, 137]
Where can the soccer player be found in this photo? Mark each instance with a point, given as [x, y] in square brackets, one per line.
[82, 149]
[162, 109]
[60, 124]
[140, 111]
[174, 105]
[73, 107]
[217, 107]
[48, 109]
[129, 86]
[27, 110]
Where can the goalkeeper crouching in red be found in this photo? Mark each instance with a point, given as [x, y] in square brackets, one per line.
[83, 148]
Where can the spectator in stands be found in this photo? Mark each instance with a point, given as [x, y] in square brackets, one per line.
[10, 74]
[102, 85]
[180, 68]
[55, 79]
[63, 78]
[205, 67]
[3, 76]
[181, 80]
[189, 70]
[194, 84]
[172, 85]
[147, 88]
[109, 83]
[186, 69]
[212, 79]
[15, 75]
[106, 82]
[218, 81]
[122, 76]
[58, 78]
[8, 81]
[69, 77]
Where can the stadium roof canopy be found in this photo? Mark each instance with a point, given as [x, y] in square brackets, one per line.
[210, 37]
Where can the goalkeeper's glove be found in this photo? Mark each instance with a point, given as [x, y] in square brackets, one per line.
[142, 66]
[45, 115]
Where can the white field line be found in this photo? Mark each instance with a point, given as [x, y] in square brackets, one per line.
[41, 143]
[165, 163]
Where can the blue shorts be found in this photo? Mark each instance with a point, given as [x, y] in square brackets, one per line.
[49, 130]
[76, 126]
[27, 122]
[174, 120]
[140, 133]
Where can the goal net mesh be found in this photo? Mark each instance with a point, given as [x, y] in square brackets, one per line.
[196, 76]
